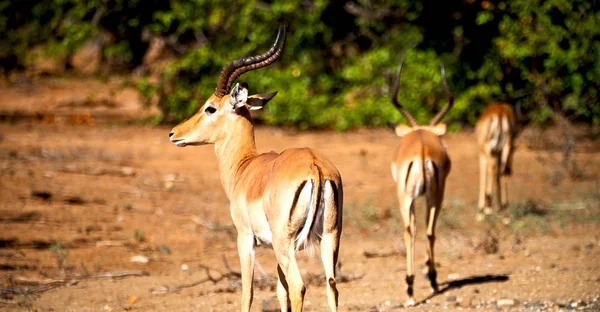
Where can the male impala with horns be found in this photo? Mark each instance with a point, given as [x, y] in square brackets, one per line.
[289, 200]
[420, 167]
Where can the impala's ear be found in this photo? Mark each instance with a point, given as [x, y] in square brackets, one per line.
[239, 95]
[402, 130]
[257, 101]
[439, 129]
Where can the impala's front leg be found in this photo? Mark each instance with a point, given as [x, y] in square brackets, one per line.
[245, 244]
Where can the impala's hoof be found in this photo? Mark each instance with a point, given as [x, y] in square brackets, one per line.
[410, 303]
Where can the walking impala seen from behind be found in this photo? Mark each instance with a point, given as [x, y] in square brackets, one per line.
[288, 200]
[420, 167]
[496, 133]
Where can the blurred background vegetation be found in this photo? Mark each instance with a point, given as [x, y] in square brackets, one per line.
[340, 56]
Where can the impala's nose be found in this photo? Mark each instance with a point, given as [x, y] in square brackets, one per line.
[171, 134]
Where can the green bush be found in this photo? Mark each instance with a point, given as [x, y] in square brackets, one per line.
[340, 56]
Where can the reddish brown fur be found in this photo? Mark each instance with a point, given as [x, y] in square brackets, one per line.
[496, 132]
[270, 196]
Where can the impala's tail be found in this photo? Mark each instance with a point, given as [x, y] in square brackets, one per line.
[499, 131]
[324, 196]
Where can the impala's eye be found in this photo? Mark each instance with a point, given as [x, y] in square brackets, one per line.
[210, 110]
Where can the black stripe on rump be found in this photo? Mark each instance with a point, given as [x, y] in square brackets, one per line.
[296, 196]
[319, 199]
[337, 204]
[407, 175]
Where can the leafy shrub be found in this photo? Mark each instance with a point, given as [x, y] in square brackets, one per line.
[340, 56]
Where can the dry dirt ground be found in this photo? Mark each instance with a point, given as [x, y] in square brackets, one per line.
[85, 188]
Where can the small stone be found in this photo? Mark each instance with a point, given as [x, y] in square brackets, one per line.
[165, 249]
[574, 305]
[271, 305]
[505, 302]
[451, 299]
[140, 259]
[453, 276]
[465, 302]
[184, 267]
[127, 171]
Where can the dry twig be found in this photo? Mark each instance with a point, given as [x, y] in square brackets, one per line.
[39, 286]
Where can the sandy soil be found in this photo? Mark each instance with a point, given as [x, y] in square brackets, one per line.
[80, 196]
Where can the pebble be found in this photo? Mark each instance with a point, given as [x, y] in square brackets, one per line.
[453, 276]
[271, 305]
[505, 302]
[184, 267]
[466, 302]
[140, 259]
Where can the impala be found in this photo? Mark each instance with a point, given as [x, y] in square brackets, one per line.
[288, 200]
[420, 167]
[496, 133]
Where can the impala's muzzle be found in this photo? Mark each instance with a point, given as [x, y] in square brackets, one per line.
[178, 142]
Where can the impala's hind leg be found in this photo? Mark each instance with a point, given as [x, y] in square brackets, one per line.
[484, 178]
[330, 241]
[295, 290]
[492, 177]
[505, 171]
[282, 290]
[433, 210]
[408, 216]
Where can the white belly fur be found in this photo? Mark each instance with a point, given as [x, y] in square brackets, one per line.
[264, 237]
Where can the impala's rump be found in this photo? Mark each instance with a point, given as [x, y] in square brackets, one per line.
[424, 160]
[315, 191]
[497, 129]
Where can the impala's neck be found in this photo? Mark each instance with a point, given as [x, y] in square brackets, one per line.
[233, 150]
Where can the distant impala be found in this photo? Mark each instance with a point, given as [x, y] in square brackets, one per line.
[288, 200]
[496, 132]
[420, 167]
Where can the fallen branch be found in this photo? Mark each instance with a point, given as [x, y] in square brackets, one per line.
[385, 254]
[39, 286]
[229, 275]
